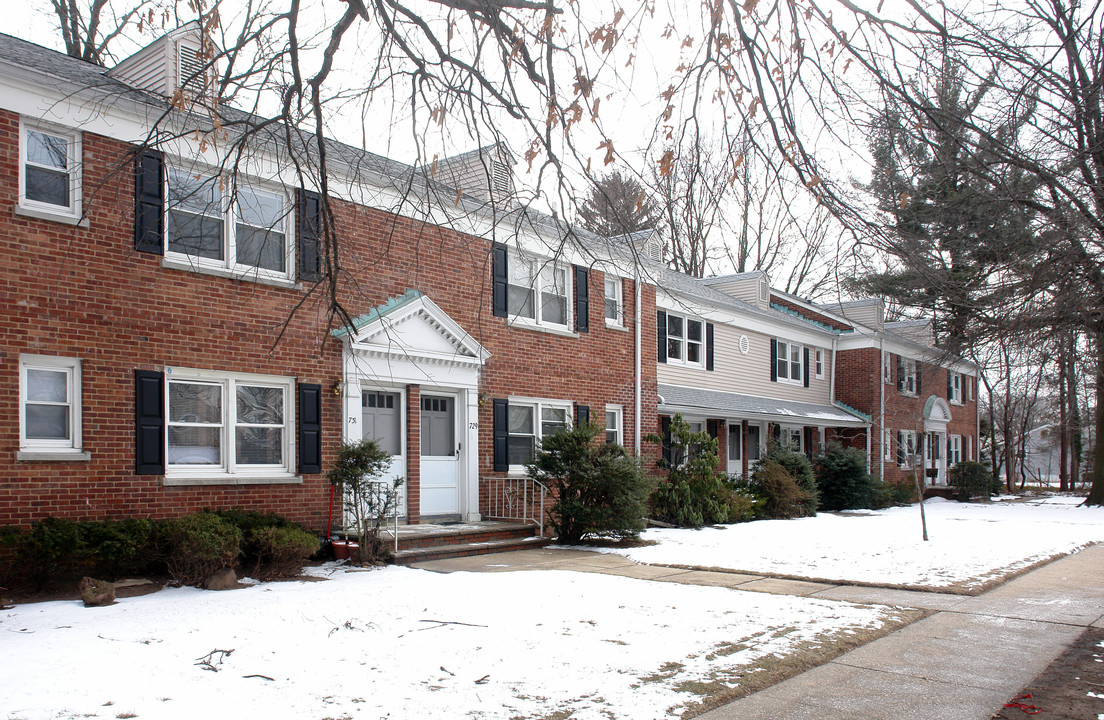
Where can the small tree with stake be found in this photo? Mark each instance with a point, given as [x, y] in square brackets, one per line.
[367, 499]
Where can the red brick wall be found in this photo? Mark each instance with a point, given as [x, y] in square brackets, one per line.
[85, 293]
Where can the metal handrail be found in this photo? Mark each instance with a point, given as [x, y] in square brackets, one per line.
[521, 499]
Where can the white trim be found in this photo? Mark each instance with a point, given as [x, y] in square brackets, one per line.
[618, 321]
[684, 341]
[789, 362]
[70, 214]
[539, 268]
[887, 445]
[818, 363]
[69, 447]
[619, 423]
[538, 405]
[228, 471]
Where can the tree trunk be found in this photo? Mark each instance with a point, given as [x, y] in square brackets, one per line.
[1063, 417]
[1075, 415]
[1096, 494]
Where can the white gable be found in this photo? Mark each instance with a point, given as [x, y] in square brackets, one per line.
[418, 330]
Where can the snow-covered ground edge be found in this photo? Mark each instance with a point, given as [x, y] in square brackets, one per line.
[403, 643]
[971, 546]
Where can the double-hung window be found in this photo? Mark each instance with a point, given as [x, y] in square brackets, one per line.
[229, 424]
[529, 422]
[887, 444]
[612, 297]
[213, 224]
[787, 360]
[956, 383]
[887, 376]
[819, 364]
[685, 338]
[49, 172]
[614, 425]
[908, 376]
[538, 291]
[50, 404]
[954, 449]
[906, 447]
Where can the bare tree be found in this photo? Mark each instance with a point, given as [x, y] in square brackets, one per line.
[90, 27]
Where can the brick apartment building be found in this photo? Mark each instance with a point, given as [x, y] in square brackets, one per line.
[164, 350]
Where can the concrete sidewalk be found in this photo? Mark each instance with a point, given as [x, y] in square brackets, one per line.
[961, 663]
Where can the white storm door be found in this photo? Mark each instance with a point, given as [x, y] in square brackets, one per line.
[735, 449]
[440, 456]
[381, 414]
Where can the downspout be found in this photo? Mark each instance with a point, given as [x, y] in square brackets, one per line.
[636, 351]
[881, 405]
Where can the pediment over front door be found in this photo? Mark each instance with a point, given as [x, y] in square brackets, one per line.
[411, 328]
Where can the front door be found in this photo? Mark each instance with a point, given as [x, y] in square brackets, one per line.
[735, 449]
[933, 459]
[440, 456]
[381, 418]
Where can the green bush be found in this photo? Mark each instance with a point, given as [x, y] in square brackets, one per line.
[54, 548]
[598, 488]
[119, 547]
[743, 504]
[366, 501]
[971, 480]
[783, 497]
[251, 522]
[693, 493]
[198, 545]
[280, 551]
[842, 480]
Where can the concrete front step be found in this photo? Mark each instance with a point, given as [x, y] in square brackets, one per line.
[452, 550]
[422, 536]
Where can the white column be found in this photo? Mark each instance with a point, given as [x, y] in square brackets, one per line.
[469, 466]
[353, 419]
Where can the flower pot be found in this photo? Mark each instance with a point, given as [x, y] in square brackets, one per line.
[344, 549]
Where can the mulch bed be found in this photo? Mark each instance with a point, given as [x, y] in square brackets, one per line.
[1071, 688]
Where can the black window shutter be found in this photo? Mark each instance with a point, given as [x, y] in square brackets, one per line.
[774, 360]
[501, 422]
[709, 346]
[950, 385]
[582, 414]
[661, 336]
[665, 433]
[805, 363]
[900, 372]
[309, 207]
[499, 280]
[310, 428]
[582, 300]
[149, 202]
[948, 450]
[713, 427]
[776, 432]
[900, 448]
[149, 422]
[809, 449]
[918, 366]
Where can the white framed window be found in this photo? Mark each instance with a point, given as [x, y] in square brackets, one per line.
[908, 376]
[228, 424]
[212, 223]
[49, 170]
[49, 404]
[787, 361]
[970, 448]
[537, 291]
[906, 447]
[956, 387]
[735, 442]
[819, 364]
[530, 421]
[954, 449]
[793, 438]
[754, 443]
[685, 341]
[887, 376]
[615, 432]
[614, 308]
[887, 444]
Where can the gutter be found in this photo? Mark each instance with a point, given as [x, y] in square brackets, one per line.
[637, 410]
[881, 409]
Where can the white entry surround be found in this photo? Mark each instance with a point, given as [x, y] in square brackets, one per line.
[411, 341]
[937, 413]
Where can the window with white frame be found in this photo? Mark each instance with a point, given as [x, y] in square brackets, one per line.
[906, 447]
[887, 444]
[228, 424]
[613, 306]
[754, 443]
[735, 441]
[49, 172]
[685, 338]
[887, 376]
[908, 376]
[970, 448]
[49, 404]
[240, 227]
[954, 449]
[538, 291]
[957, 381]
[614, 425]
[530, 421]
[787, 360]
[793, 438]
[819, 364]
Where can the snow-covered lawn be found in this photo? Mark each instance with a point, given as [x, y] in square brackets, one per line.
[968, 545]
[402, 643]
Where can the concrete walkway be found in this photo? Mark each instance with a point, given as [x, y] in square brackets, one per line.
[961, 663]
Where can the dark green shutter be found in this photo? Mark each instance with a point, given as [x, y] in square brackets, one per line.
[900, 372]
[149, 422]
[499, 280]
[310, 428]
[709, 346]
[805, 363]
[582, 414]
[918, 366]
[501, 421]
[774, 360]
[309, 208]
[665, 434]
[661, 336]
[149, 202]
[582, 300]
